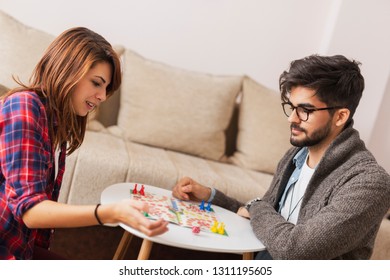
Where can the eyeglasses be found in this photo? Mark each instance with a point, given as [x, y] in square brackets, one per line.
[303, 112]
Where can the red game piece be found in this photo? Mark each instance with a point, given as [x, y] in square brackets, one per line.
[142, 190]
[135, 189]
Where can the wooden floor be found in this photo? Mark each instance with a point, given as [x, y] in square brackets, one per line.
[100, 243]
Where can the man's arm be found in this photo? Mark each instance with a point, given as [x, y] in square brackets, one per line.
[226, 202]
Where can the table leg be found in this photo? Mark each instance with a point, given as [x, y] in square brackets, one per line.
[144, 252]
[123, 245]
[247, 256]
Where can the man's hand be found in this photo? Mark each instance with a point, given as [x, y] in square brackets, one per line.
[243, 212]
[188, 189]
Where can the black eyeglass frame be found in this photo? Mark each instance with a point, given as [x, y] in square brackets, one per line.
[308, 111]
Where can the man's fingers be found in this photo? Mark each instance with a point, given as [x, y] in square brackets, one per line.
[181, 192]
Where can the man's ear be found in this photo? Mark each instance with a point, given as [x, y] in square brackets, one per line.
[342, 116]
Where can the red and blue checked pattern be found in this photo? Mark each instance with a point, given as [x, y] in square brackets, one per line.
[27, 174]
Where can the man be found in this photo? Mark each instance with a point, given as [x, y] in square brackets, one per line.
[328, 195]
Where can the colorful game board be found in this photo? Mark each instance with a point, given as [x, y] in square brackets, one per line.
[187, 214]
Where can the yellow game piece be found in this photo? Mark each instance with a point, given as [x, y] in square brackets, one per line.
[221, 228]
[214, 228]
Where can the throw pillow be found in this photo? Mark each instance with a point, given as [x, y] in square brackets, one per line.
[263, 129]
[3, 89]
[176, 109]
[107, 112]
[20, 49]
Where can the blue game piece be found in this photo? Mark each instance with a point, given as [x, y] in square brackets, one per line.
[174, 205]
[201, 206]
[208, 208]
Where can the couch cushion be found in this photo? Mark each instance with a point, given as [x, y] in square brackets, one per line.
[242, 184]
[100, 161]
[163, 168]
[150, 165]
[104, 159]
[239, 183]
[21, 47]
[176, 109]
[263, 129]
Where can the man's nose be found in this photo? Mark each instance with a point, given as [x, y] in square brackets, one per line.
[294, 117]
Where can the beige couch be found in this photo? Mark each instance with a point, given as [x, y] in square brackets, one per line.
[165, 123]
[172, 123]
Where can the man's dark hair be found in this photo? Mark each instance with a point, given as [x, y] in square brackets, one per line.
[336, 80]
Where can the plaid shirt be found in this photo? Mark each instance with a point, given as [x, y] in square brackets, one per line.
[27, 174]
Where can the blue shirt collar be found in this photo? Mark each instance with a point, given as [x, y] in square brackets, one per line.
[300, 157]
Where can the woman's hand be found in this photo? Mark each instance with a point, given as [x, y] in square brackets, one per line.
[131, 212]
[51, 214]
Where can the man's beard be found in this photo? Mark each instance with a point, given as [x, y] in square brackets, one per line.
[316, 137]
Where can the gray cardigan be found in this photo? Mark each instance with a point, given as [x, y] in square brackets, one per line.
[341, 211]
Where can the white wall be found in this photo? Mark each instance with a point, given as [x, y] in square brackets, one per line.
[361, 31]
[251, 37]
[254, 37]
[380, 138]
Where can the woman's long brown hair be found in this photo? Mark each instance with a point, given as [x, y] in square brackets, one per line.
[66, 61]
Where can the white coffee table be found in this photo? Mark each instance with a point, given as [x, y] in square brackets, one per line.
[241, 239]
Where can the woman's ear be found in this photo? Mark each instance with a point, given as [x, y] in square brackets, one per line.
[342, 116]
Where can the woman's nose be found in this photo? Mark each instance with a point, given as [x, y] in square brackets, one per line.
[102, 95]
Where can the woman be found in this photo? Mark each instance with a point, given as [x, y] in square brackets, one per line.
[42, 122]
